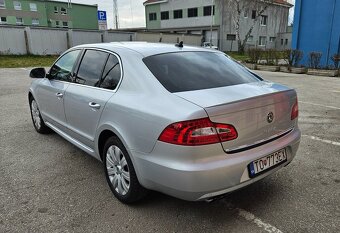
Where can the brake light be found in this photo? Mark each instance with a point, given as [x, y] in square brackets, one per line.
[295, 110]
[197, 132]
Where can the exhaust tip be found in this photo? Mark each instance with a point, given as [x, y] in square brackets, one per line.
[216, 198]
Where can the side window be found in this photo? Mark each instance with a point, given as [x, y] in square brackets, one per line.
[112, 73]
[62, 69]
[91, 68]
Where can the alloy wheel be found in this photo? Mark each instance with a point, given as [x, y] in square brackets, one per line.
[118, 170]
[35, 114]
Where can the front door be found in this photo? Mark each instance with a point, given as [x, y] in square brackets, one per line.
[86, 98]
[52, 89]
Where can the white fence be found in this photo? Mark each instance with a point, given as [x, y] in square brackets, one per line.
[169, 38]
[50, 41]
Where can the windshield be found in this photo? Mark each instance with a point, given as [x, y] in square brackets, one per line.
[188, 71]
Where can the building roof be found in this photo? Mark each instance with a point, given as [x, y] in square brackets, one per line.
[283, 2]
[280, 2]
[72, 3]
[149, 2]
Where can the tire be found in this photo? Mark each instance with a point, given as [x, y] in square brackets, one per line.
[120, 173]
[37, 120]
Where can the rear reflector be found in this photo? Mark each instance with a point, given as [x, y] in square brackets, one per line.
[197, 132]
[295, 110]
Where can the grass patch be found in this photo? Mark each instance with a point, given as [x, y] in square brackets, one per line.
[238, 57]
[17, 61]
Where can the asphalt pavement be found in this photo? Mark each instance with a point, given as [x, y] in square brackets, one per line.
[49, 185]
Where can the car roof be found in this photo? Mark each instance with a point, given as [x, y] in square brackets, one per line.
[145, 48]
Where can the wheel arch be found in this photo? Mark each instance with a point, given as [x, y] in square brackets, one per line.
[30, 95]
[106, 132]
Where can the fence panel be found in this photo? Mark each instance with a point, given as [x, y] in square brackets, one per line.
[149, 37]
[192, 40]
[48, 41]
[195, 40]
[117, 36]
[86, 37]
[12, 40]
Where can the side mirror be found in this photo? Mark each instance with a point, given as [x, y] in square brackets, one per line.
[38, 73]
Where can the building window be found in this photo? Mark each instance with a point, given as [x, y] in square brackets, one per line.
[231, 37]
[2, 4]
[207, 10]
[281, 41]
[192, 12]
[253, 14]
[33, 7]
[152, 16]
[262, 41]
[65, 24]
[56, 9]
[19, 21]
[272, 39]
[164, 15]
[178, 14]
[17, 5]
[3, 20]
[264, 19]
[57, 23]
[245, 13]
[286, 42]
[35, 22]
[63, 11]
[250, 39]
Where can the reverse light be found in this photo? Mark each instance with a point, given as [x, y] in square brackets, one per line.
[295, 110]
[197, 132]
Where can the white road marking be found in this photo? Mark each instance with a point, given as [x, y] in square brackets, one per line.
[327, 106]
[253, 219]
[23, 68]
[336, 91]
[322, 140]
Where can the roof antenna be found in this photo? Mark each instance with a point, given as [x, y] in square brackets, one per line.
[180, 44]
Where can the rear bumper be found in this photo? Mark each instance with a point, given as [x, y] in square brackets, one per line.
[198, 173]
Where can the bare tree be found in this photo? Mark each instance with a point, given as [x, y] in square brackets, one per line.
[237, 8]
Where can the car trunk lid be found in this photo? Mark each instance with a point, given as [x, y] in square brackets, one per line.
[259, 111]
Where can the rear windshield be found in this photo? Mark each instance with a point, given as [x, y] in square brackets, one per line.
[189, 71]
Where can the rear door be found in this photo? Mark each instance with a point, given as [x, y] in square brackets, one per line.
[96, 80]
[52, 90]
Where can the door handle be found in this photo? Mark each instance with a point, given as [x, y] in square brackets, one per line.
[59, 95]
[94, 105]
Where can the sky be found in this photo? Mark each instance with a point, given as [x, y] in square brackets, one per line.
[131, 12]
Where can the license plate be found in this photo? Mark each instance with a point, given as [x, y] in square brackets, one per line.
[260, 165]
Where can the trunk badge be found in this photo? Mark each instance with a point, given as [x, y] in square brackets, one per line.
[270, 117]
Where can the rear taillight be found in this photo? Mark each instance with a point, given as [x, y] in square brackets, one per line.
[197, 132]
[295, 110]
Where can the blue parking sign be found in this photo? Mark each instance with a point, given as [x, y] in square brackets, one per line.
[102, 15]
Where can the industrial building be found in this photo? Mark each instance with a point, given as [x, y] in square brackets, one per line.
[183, 16]
[200, 16]
[48, 14]
[268, 31]
[317, 29]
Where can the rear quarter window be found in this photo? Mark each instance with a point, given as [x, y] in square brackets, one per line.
[189, 71]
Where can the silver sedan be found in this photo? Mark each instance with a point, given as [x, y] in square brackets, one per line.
[186, 121]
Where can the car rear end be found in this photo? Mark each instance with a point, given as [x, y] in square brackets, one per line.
[249, 132]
